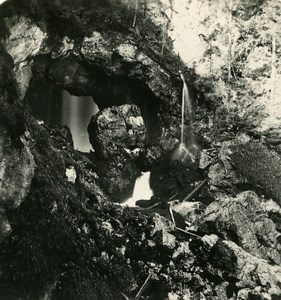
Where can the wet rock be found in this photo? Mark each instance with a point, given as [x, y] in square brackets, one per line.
[168, 139]
[206, 159]
[243, 220]
[117, 176]
[172, 179]
[149, 157]
[115, 128]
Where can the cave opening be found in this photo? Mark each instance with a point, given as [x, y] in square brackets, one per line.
[59, 106]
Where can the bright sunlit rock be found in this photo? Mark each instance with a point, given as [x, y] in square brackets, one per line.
[70, 174]
[142, 190]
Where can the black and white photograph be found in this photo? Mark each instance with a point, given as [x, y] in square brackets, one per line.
[140, 149]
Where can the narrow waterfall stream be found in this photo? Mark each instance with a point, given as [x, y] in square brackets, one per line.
[186, 105]
[142, 190]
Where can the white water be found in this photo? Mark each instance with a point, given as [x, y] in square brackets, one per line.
[76, 114]
[142, 190]
[186, 101]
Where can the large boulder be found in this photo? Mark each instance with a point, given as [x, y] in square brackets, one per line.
[115, 128]
[244, 221]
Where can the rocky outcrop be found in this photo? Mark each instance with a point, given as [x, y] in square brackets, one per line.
[115, 129]
[17, 170]
[243, 221]
[117, 176]
[25, 42]
[117, 135]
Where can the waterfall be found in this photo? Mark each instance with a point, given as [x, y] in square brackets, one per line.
[58, 108]
[188, 149]
[186, 101]
[76, 114]
[142, 190]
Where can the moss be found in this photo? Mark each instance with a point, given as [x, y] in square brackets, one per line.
[259, 166]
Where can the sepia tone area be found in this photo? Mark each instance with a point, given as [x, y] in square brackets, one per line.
[140, 150]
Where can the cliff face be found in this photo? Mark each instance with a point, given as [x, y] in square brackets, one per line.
[61, 235]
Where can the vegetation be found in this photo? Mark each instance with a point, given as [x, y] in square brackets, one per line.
[259, 166]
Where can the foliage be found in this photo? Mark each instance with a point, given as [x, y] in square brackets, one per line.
[259, 166]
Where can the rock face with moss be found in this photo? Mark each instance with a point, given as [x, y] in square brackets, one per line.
[61, 235]
[117, 127]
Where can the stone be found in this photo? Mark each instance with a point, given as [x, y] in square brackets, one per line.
[64, 49]
[191, 211]
[149, 157]
[205, 160]
[70, 174]
[181, 250]
[107, 227]
[253, 272]
[165, 240]
[117, 176]
[243, 221]
[5, 227]
[173, 296]
[25, 42]
[115, 128]
[272, 207]
[158, 223]
[16, 172]
[70, 74]
[23, 76]
[26, 39]
[210, 240]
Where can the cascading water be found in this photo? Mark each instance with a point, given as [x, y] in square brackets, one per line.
[188, 148]
[142, 190]
[186, 104]
[58, 107]
[76, 114]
